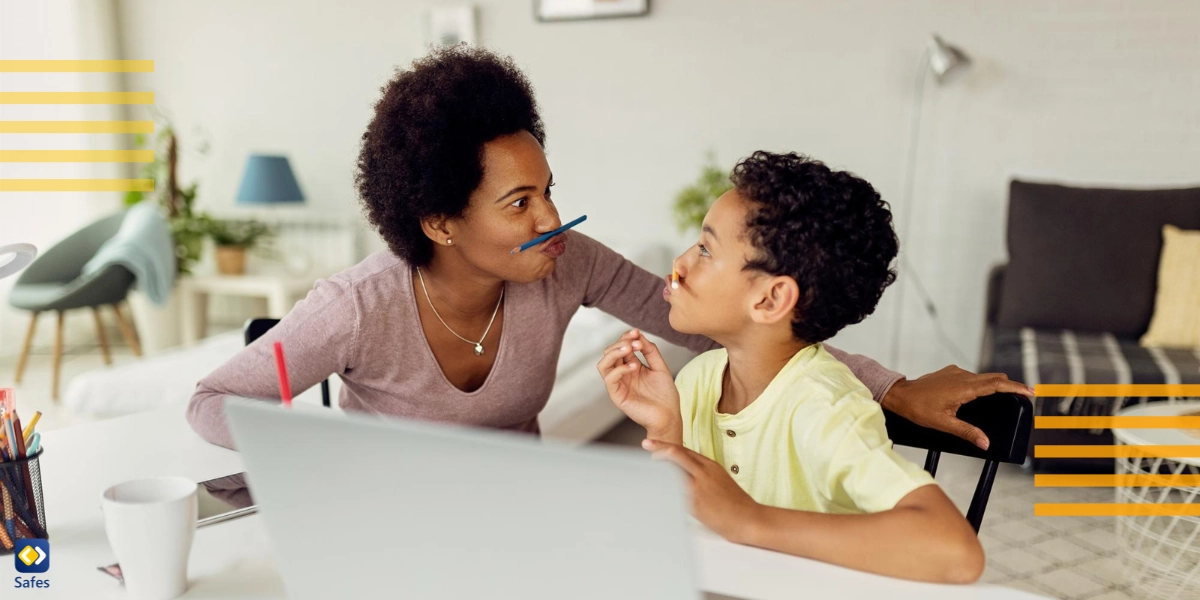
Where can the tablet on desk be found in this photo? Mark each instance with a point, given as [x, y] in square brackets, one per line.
[222, 499]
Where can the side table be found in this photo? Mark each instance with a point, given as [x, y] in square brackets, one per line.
[1160, 553]
[280, 291]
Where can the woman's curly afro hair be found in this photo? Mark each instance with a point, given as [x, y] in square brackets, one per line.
[422, 153]
[828, 230]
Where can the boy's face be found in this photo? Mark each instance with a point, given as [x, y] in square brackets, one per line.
[715, 295]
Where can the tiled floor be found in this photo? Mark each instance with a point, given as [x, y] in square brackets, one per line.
[1072, 558]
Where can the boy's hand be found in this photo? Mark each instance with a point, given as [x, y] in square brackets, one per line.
[717, 500]
[646, 394]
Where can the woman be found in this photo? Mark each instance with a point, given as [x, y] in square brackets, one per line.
[449, 325]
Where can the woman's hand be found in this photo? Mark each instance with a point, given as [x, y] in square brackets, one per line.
[932, 400]
[717, 500]
[646, 394]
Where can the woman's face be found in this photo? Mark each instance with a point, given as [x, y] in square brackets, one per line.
[510, 206]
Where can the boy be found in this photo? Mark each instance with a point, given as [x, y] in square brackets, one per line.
[784, 448]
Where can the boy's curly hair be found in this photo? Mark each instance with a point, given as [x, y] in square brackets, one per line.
[829, 230]
[422, 153]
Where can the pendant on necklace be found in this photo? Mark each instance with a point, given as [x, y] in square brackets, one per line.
[478, 349]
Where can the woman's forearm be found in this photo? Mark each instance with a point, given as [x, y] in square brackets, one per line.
[919, 542]
[206, 415]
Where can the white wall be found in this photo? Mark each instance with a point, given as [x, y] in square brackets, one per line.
[62, 30]
[1103, 91]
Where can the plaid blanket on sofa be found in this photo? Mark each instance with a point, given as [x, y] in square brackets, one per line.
[1035, 356]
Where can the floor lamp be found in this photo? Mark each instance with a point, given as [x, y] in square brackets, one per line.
[947, 64]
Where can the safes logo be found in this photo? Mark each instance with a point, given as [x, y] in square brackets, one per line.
[33, 556]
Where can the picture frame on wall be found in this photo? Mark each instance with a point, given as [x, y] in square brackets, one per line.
[574, 10]
[451, 26]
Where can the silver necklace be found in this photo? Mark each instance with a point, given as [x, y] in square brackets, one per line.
[478, 345]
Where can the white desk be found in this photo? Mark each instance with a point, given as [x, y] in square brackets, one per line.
[234, 559]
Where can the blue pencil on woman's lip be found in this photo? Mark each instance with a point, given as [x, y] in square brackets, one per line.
[545, 236]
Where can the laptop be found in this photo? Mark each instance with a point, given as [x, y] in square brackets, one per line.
[359, 507]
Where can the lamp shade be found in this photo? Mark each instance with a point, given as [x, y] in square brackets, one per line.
[14, 257]
[268, 180]
[946, 61]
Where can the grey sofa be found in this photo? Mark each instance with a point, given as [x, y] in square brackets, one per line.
[1076, 295]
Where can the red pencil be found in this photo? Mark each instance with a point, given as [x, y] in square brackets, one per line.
[285, 388]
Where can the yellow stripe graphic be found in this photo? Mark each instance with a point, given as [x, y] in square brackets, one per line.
[76, 185]
[76, 97]
[1122, 480]
[1164, 422]
[1102, 451]
[1116, 510]
[139, 156]
[76, 66]
[1104, 390]
[76, 126]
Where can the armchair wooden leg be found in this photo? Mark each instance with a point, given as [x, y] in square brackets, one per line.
[25, 348]
[127, 331]
[58, 352]
[100, 334]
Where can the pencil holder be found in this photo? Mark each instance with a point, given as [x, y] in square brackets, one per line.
[24, 509]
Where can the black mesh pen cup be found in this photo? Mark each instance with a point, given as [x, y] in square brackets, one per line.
[24, 509]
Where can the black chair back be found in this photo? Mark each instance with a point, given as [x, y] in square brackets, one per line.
[255, 328]
[1007, 419]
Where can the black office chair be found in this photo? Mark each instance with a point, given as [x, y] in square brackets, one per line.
[255, 328]
[1006, 419]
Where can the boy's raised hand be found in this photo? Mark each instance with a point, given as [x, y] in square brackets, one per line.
[646, 393]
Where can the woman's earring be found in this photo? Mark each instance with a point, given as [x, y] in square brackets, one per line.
[449, 241]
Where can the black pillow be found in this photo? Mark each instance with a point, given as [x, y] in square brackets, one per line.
[1087, 259]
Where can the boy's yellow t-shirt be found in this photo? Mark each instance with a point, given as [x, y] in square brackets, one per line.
[814, 440]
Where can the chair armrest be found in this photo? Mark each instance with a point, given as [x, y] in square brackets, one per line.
[1006, 419]
[106, 286]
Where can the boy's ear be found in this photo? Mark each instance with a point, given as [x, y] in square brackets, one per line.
[777, 302]
[436, 229]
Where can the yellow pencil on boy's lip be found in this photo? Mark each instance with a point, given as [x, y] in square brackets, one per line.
[674, 279]
[37, 414]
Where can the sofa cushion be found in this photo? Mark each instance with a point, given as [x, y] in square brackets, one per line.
[1034, 356]
[1176, 320]
[1087, 259]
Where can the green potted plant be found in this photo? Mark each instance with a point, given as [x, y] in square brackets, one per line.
[177, 203]
[693, 201]
[233, 238]
[158, 327]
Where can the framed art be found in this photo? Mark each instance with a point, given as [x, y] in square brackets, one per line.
[451, 26]
[571, 10]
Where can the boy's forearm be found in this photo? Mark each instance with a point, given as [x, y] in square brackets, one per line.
[908, 543]
[671, 433]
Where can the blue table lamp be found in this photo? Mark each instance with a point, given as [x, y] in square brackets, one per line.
[268, 180]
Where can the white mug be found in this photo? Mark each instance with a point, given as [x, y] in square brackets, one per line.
[150, 524]
[22, 254]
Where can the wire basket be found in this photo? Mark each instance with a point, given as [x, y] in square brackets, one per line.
[22, 507]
